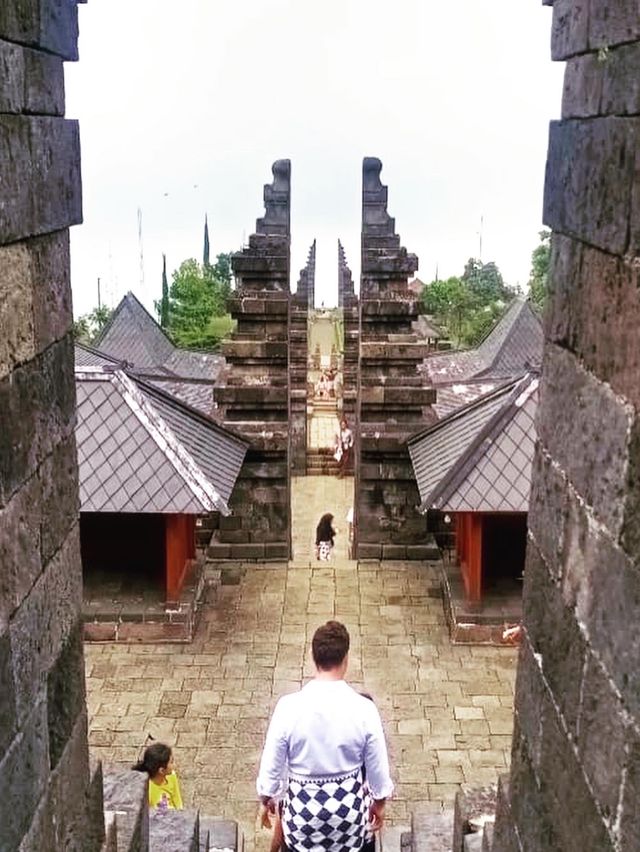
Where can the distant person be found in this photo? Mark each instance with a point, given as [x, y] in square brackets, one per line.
[164, 788]
[344, 447]
[325, 535]
[320, 743]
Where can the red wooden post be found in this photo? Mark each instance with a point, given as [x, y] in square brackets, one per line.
[177, 528]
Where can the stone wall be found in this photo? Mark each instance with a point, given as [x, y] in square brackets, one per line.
[254, 395]
[298, 356]
[348, 302]
[392, 402]
[575, 777]
[48, 799]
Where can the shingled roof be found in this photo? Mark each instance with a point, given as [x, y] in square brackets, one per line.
[479, 458]
[513, 346]
[142, 450]
[132, 335]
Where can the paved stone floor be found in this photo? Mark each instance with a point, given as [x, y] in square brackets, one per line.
[447, 709]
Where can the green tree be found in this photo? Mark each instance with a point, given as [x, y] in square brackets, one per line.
[485, 282]
[88, 326]
[222, 268]
[195, 296]
[451, 301]
[539, 275]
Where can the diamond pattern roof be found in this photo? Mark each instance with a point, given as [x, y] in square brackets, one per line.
[134, 336]
[512, 347]
[140, 450]
[479, 458]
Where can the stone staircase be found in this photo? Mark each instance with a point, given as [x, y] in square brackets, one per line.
[320, 462]
[130, 826]
[468, 827]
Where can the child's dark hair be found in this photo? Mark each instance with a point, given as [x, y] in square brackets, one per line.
[324, 530]
[155, 757]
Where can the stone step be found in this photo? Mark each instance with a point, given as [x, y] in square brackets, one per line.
[473, 842]
[391, 839]
[431, 831]
[173, 831]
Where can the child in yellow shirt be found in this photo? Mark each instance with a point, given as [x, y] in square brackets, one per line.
[164, 788]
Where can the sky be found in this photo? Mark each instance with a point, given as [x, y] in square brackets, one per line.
[184, 107]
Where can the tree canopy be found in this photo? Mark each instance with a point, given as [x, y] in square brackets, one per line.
[196, 295]
[539, 275]
[87, 327]
[468, 305]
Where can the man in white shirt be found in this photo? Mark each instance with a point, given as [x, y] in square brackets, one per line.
[322, 743]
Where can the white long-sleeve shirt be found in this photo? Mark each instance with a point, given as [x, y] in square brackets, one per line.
[326, 729]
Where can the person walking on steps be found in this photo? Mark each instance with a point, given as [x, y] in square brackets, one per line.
[319, 742]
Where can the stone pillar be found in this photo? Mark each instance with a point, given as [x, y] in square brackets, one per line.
[348, 301]
[298, 354]
[575, 776]
[49, 801]
[392, 402]
[254, 393]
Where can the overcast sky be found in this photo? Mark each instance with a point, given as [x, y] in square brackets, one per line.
[183, 108]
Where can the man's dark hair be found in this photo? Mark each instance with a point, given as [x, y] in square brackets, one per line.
[330, 645]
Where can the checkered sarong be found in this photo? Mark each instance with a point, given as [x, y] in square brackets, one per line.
[325, 814]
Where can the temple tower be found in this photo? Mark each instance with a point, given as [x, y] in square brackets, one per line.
[254, 394]
[348, 301]
[298, 354]
[392, 402]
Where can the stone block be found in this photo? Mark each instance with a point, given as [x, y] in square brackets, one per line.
[276, 550]
[7, 696]
[594, 306]
[423, 552]
[609, 85]
[548, 510]
[48, 24]
[394, 551]
[613, 23]
[584, 197]
[37, 411]
[43, 187]
[27, 765]
[369, 550]
[59, 504]
[607, 603]
[65, 693]
[222, 833]
[32, 81]
[570, 28]
[431, 830]
[19, 547]
[17, 343]
[504, 836]
[61, 821]
[554, 633]
[530, 700]
[125, 794]
[471, 803]
[591, 446]
[577, 822]
[174, 831]
[40, 627]
[629, 810]
[602, 755]
[247, 551]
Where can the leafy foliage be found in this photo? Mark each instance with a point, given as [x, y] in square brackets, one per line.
[195, 297]
[539, 275]
[88, 327]
[469, 305]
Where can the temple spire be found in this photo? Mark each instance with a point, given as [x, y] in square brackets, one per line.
[205, 253]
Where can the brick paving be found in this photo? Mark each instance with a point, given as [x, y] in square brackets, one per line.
[447, 709]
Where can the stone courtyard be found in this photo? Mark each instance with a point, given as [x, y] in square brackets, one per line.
[447, 709]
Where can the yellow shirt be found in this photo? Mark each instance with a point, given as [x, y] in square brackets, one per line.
[170, 791]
